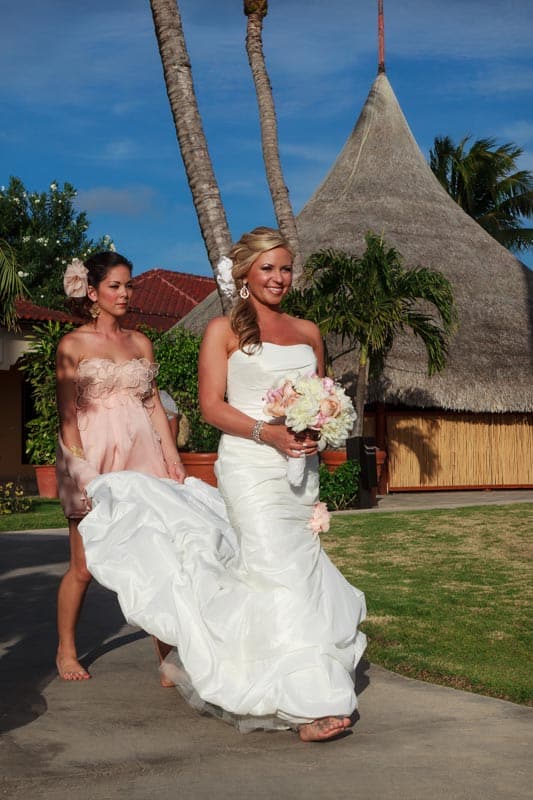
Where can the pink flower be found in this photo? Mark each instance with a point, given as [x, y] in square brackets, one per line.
[319, 522]
[330, 406]
[75, 279]
[280, 399]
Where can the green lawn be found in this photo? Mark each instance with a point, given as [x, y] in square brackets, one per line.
[448, 593]
[44, 514]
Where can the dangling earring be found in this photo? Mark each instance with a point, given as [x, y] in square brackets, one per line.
[244, 292]
[94, 310]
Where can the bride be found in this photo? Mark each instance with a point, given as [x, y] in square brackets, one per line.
[265, 626]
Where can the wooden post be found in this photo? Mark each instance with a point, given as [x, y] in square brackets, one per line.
[381, 38]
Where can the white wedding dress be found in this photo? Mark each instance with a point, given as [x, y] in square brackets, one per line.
[265, 626]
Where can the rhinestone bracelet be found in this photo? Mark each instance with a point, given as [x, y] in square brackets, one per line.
[256, 431]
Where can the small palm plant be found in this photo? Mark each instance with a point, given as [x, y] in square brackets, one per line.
[369, 300]
[11, 286]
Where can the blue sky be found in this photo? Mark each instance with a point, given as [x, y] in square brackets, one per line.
[84, 101]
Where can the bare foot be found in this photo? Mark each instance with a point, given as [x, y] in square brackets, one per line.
[324, 728]
[162, 649]
[70, 669]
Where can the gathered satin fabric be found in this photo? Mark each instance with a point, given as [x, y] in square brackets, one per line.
[264, 625]
[113, 415]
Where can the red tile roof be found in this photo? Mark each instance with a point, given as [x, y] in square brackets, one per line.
[31, 312]
[161, 297]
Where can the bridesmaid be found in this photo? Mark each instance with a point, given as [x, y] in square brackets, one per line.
[111, 418]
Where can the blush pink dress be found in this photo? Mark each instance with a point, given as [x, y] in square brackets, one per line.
[114, 402]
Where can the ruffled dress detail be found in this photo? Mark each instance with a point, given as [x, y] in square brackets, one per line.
[113, 406]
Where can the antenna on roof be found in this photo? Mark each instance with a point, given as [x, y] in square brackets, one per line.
[381, 39]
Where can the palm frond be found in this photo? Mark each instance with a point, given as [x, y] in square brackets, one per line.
[11, 286]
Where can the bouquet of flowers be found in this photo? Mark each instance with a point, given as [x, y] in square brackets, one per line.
[315, 405]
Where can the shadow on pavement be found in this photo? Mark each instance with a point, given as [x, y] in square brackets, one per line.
[31, 567]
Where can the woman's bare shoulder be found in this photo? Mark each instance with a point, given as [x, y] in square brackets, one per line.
[73, 342]
[141, 342]
[219, 326]
[306, 329]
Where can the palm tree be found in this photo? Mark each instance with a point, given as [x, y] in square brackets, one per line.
[486, 183]
[256, 10]
[189, 130]
[11, 286]
[367, 301]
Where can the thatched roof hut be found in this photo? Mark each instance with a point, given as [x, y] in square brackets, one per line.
[382, 182]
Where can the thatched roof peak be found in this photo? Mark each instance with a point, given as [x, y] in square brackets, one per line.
[382, 182]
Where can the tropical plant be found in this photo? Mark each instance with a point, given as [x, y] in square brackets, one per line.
[44, 233]
[368, 301]
[12, 499]
[339, 489]
[191, 137]
[256, 11]
[485, 182]
[38, 365]
[176, 352]
[11, 286]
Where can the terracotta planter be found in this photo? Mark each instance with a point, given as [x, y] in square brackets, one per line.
[332, 459]
[200, 465]
[46, 480]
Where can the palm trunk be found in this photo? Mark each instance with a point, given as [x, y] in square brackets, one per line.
[190, 133]
[255, 10]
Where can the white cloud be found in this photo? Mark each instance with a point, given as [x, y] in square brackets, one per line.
[503, 80]
[519, 132]
[131, 202]
[320, 155]
[120, 150]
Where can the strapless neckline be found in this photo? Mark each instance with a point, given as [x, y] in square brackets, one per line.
[140, 359]
[274, 344]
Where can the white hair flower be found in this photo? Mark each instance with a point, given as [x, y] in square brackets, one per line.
[224, 276]
[75, 279]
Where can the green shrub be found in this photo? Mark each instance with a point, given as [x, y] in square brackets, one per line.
[176, 352]
[39, 367]
[340, 489]
[12, 500]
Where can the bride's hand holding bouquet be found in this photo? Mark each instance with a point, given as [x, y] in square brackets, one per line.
[313, 408]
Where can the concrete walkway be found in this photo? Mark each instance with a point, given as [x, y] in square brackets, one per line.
[121, 736]
[417, 501]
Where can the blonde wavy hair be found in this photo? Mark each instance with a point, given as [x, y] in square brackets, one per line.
[243, 318]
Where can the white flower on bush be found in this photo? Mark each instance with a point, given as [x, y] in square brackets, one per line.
[53, 186]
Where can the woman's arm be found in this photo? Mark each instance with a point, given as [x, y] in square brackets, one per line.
[67, 358]
[175, 468]
[212, 380]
